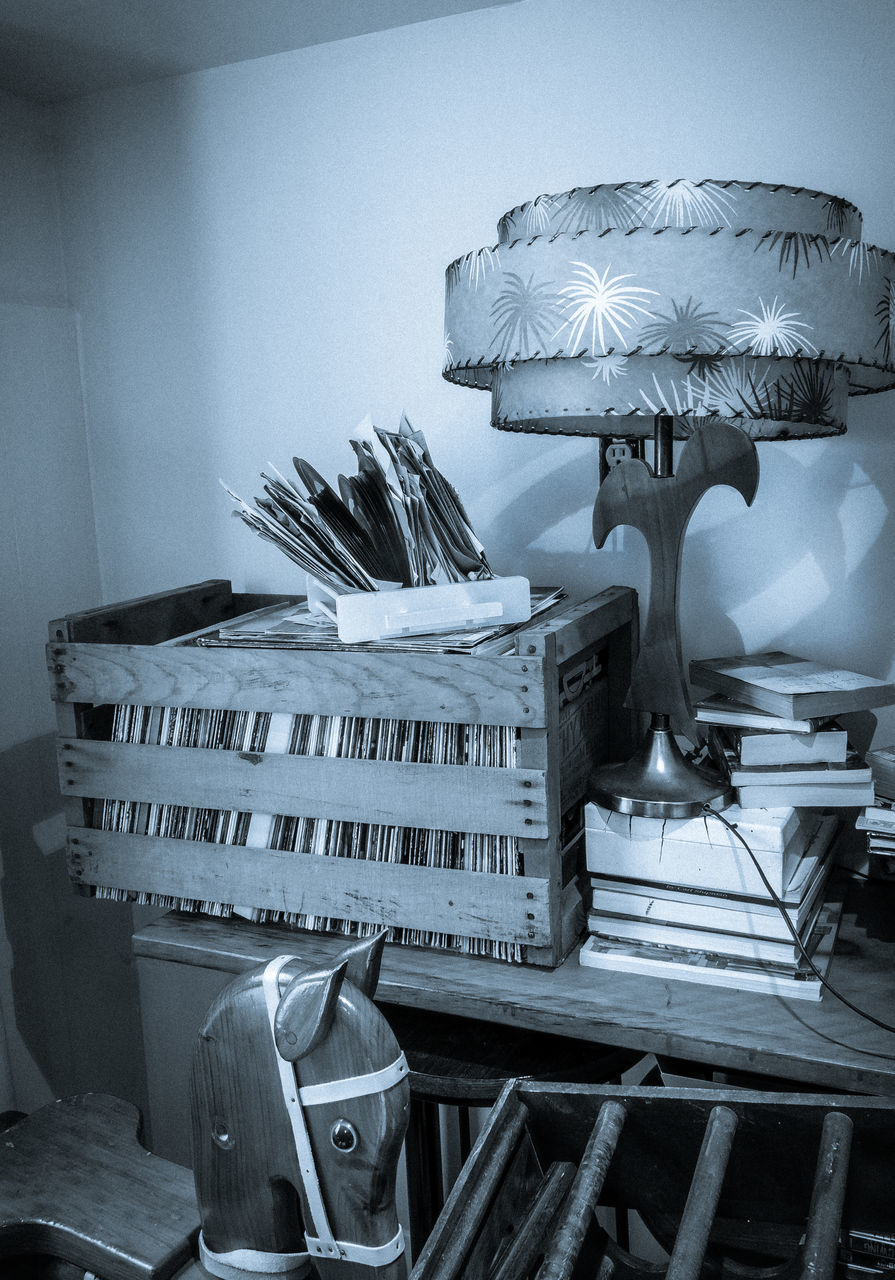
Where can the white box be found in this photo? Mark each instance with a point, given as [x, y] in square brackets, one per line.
[700, 852]
[414, 611]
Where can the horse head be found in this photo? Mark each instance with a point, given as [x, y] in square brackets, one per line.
[299, 1107]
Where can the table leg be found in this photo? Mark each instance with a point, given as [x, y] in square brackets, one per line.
[422, 1153]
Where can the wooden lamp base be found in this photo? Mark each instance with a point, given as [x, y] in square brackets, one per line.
[659, 781]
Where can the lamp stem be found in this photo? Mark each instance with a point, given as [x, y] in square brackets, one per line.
[663, 445]
[658, 781]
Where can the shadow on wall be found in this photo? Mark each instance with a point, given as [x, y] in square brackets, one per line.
[806, 569]
[73, 978]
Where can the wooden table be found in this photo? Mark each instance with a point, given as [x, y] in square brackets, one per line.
[815, 1044]
[467, 1025]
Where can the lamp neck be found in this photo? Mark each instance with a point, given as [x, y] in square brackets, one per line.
[663, 443]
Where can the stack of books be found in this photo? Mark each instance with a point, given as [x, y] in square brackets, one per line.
[864, 1255]
[878, 819]
[785, 762]
[682, 898]
[773, 731]
[882, 762]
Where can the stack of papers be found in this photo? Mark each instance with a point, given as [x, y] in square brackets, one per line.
[294, 626]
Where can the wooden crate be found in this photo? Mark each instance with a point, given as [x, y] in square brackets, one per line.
[562, 689]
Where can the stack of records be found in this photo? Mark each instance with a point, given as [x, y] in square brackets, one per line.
[319, 736]
[682, 898]
[398, 522]
[878, 819]
[772, 729]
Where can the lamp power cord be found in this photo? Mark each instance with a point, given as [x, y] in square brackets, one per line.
[862, 1013]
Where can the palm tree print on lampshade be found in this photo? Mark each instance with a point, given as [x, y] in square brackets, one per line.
[601, 307]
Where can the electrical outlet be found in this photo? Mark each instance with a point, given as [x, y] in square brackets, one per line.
[618, 451]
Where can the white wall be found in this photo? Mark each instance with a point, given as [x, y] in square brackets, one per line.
[61, 965]
[31, 265]
[35, 338]
[258, 255]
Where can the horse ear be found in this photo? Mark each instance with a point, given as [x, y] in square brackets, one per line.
[305, 1012]
[363, 960]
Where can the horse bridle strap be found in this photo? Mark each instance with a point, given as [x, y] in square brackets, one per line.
[239, 1264]
[322, 1243]
[312, 1095]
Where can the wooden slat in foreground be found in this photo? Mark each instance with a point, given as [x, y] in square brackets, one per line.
[472, 903]
[439, 797]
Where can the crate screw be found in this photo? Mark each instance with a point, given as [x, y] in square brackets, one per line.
[532, 649]
[524, 687]
[526, 711]
[531, 933]
[529, 894]
[525, 669]
[529, 915]
[528, 821]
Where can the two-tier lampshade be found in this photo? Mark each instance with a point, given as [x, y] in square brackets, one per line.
[604, 306]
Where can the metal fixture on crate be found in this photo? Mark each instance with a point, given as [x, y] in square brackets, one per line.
[716, 313]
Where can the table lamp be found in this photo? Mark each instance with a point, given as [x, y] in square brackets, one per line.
[717, 313]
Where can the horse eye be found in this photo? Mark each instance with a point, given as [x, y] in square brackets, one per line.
[343, 1135]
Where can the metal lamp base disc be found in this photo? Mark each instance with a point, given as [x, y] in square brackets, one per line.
[658, 782]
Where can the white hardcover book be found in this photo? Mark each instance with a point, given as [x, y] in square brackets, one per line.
[721, 971]
[809, 869]
[810, 795]
[758, 919]
[826, 746]
[879, 817]
[701, 851]
[681, 937]
[791, 686]
[725, 711]
[819, 773]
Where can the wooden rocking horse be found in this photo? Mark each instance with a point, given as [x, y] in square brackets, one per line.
[316, 1190]
[299, 1100]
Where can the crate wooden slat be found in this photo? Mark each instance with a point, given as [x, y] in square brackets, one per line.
[441, 900]
[500, 689]
[155, 618]
[439, 797]
[559, 691]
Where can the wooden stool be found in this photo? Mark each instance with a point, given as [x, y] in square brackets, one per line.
[77, 1188]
